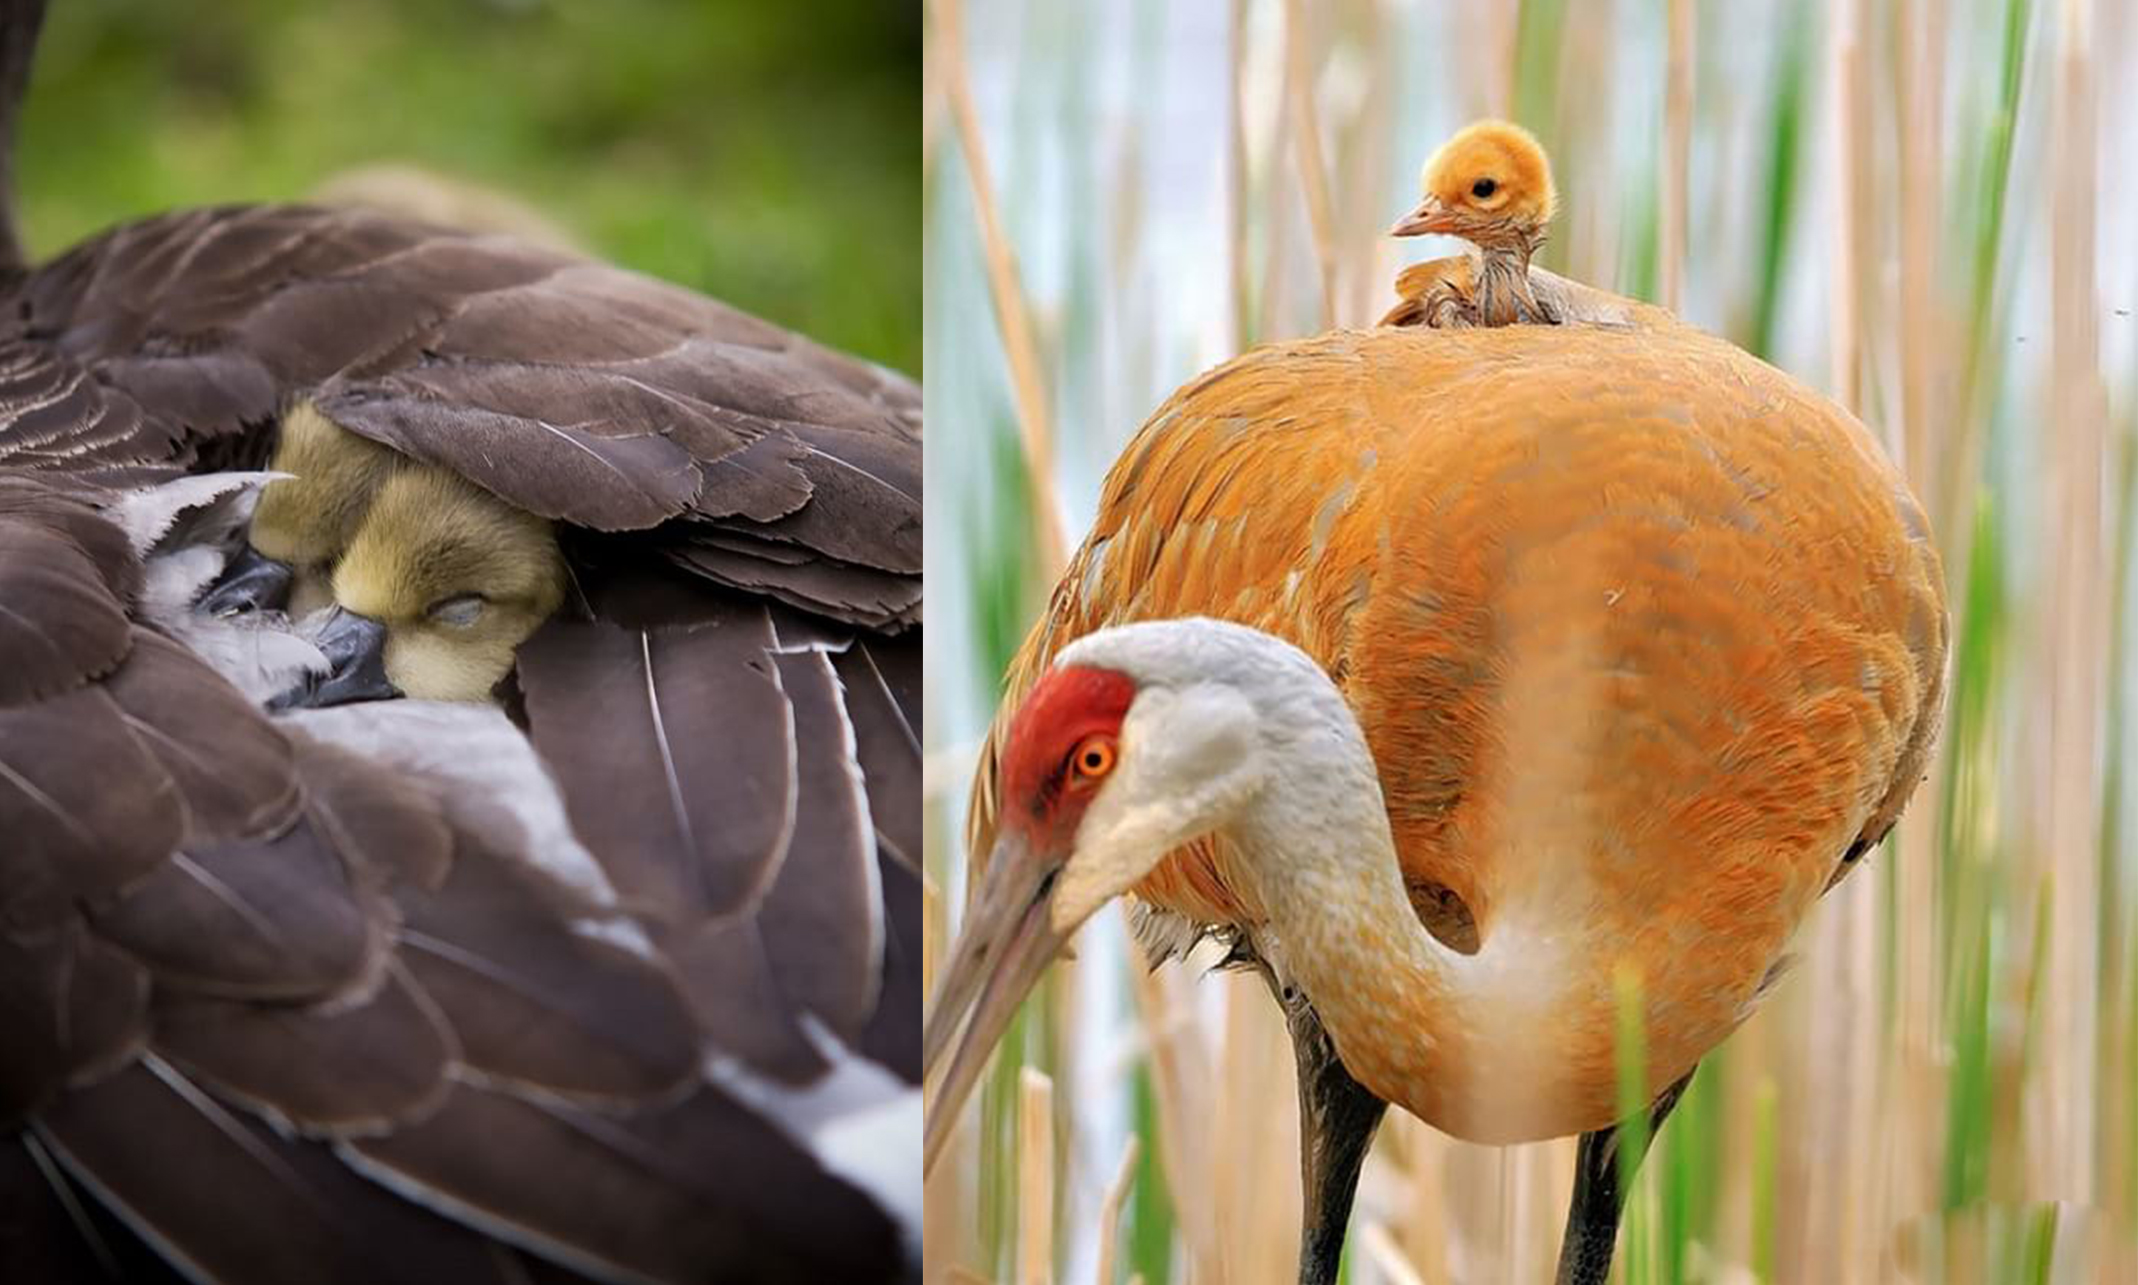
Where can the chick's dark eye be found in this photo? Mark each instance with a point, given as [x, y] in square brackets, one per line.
[1483, 188]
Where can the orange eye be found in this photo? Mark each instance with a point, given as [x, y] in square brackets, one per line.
[1094, 758]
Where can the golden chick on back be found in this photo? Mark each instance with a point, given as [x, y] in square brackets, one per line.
[1491, 185]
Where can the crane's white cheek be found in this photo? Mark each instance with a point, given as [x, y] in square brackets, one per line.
[1115, 846]
[1190, 763]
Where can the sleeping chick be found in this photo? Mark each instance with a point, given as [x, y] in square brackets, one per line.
[411, 580]
[1491, 185]
[453, 579]
[305, 520]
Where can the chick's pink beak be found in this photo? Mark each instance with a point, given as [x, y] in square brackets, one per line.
[1432, 215]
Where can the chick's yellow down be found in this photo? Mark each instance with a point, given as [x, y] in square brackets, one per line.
[307, 518]
[457, 577]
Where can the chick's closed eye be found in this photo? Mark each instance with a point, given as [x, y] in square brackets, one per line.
[461, 610]
[458, 577]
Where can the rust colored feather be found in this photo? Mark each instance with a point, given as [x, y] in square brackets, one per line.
[1430, 293]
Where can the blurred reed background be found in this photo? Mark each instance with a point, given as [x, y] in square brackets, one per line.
[1924, 207]
[764, 154]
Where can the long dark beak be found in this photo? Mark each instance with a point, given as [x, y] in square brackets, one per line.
[252, 582]
[355, 648]
[1008, 941]
[1430, 216]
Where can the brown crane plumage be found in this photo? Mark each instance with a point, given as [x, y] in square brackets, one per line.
[277, 1007]
[1617, 607]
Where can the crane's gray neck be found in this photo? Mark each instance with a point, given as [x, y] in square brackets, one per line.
[1319, 846]
[19, 24]
[1338, 924]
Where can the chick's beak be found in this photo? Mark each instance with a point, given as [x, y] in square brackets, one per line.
[1008, 941]
[1432, 215]
[355, 648]
[251, 582]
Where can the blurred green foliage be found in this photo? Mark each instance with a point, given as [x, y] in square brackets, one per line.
[767, 154]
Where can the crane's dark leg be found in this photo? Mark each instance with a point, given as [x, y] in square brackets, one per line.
[1337, 1120]
[1600, 1197]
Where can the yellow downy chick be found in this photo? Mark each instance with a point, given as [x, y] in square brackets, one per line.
[1491, 185]
[305, 520]
[433, 582]
[458, 578]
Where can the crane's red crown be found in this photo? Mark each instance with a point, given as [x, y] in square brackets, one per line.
[1063, 742]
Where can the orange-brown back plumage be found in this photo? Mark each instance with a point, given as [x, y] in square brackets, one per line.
[1620, 602]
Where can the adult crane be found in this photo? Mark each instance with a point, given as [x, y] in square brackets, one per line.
[1645, 642]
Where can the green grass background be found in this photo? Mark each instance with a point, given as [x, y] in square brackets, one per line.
[765, 153]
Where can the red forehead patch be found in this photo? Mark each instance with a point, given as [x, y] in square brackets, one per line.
[1069, 704]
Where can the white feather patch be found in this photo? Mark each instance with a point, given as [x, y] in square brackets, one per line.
[187, 530]
[860, 1121]
[151, 513]
[489, 779]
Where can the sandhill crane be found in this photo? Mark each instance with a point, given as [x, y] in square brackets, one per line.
[601, 963]
[1644, 644]
[1491, 185]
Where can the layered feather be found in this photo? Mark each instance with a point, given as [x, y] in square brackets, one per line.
[273, 984]
[418, 994]
[575, 390]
